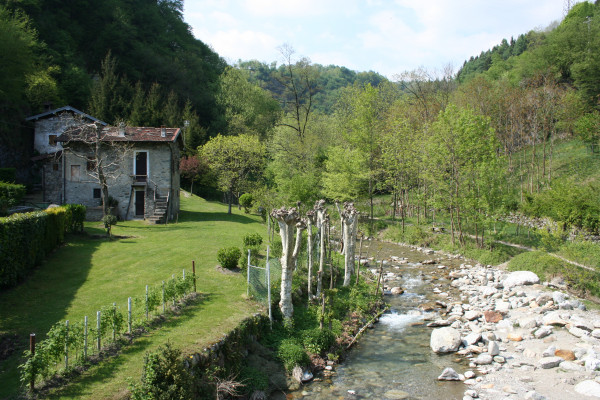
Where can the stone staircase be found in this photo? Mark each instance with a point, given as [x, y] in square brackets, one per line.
[160, 211]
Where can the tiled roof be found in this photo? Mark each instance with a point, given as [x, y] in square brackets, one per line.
[132, 134]
[64, 109]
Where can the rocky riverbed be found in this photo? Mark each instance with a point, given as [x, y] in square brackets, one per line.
[522, 338]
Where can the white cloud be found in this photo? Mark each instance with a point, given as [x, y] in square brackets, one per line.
[298, 8]
[235, 44]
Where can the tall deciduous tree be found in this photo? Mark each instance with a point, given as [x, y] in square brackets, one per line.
[248, 109]
[235, 160]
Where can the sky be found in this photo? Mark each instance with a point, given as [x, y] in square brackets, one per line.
[385, 36]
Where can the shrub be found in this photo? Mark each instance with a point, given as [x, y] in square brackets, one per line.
[163, 377]
[8, 175]
[317, 340]
[10, 195]
[253, 379]
[246, 201]
[75, 217]
[291, 353]
[228, 257]
[109, 220]
[252, 239]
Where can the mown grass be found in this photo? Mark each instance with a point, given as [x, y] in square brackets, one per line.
[88, 273]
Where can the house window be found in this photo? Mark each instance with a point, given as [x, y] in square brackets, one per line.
[55, 167]
[91, 163]
[75, 173]
[52, 140]
[97, 194]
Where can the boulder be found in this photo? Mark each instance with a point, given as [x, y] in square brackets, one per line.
[397, 290]
[588, 388]
[520, 278]
[449, 374]
[550, 362]
[493, 348]
[471, 315]
[445, 340]
[492, 316]
[566, 355]
[484, 359]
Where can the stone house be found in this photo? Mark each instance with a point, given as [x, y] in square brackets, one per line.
[48, 126]
[141, 165]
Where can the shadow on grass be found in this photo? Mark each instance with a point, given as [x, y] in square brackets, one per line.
[42, 300]
[188, 216]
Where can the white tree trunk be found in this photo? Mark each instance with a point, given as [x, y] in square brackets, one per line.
[311, 219]
[288, 220]
[322, 220]
[349, 222]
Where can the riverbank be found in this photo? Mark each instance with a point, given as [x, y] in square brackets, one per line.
[522, 338]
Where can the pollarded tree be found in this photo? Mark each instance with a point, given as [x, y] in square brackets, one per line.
[235, 160]
[322, 223]
[289, 221]
[349, 217]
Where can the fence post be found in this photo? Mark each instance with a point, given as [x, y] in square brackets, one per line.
[67, 344]
[98, 328]
[146, 302]
[114, 316]
[129, 313]
[32, 352]
[85, 337]
[184, 281]
[163, 295]
[194, 274]
[269, 287]
[248, 276]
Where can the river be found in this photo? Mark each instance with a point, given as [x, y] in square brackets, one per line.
[393, 360]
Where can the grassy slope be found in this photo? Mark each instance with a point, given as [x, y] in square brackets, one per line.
[87, 274]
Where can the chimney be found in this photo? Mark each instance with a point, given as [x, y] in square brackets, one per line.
[163, 131]
[121, 129]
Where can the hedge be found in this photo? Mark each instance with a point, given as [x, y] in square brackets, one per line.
[10, 195]
[26, 239]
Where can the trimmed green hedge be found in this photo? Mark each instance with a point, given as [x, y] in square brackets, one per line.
[10, 195]
[26, 239]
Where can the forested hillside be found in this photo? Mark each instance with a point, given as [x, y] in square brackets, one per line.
[135, 61]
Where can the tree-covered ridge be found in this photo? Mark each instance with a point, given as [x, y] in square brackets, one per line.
[330, 81]
[570, 53]
[483, 62]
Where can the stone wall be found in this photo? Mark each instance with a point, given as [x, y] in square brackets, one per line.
[161, 179]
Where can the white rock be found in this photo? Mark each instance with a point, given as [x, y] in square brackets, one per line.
[493, 348]
[533, 395]
[581, 323]
[484, 359]
[588, 388]
[578, 332]
[553, 318]
[472, 314]
[445, 340]
[596, 333]
[549, 352]
[449, 374]
[550, 362]
[542, 332]
[502, 306]
[571, 366]
[472, 338]
[558, 297]
[528, 323]
[469, 374]
[519, 278]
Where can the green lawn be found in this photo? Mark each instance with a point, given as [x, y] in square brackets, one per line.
[89, 273]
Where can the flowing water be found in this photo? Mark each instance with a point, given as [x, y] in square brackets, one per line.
[393, 360]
